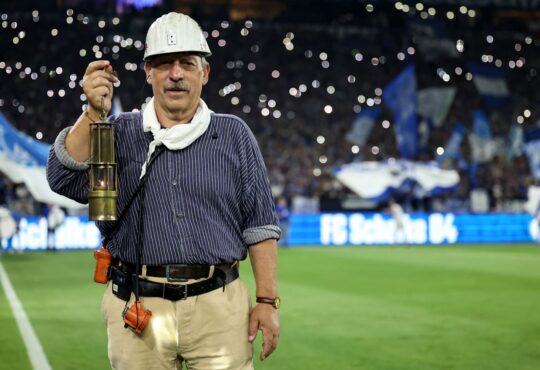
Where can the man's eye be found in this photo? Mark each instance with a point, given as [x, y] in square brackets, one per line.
[161, 63]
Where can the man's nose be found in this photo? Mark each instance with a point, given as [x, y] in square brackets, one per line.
[176, 72]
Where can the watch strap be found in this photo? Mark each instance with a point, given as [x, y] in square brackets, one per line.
[274, 302]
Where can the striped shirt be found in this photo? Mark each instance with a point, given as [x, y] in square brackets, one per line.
[204, 204]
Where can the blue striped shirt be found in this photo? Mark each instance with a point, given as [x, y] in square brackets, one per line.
[204, 204]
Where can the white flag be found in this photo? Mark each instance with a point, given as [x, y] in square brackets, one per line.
[435, 102]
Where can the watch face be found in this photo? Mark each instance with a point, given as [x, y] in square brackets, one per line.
[277, 302]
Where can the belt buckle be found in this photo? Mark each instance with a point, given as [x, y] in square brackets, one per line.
[185, 291]
[173, 279]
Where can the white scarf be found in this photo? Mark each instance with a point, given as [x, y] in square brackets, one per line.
[177, 137]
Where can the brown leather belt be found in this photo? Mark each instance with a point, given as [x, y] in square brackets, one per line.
[179, 272]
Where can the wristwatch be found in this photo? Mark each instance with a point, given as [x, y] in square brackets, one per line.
[275, 302]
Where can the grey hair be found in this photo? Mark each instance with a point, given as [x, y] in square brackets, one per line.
[204, 61]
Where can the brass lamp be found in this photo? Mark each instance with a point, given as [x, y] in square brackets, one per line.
[102, 173]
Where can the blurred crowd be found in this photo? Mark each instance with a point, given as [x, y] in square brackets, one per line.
[297, 82]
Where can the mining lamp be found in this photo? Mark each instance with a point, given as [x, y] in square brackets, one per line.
[102, 192]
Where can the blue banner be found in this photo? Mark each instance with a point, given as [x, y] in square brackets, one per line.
[379, 180]
[362, 125]
[419, 228]
[481, 126]
[491, 84]
[23, 160]
[453, 147]
[532, 134]
[21, 148]
[400, 96]
[532, 150]
[483, 146]
[516, 141]
[324, 229]
[76, 232]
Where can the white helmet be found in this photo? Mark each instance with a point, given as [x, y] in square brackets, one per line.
[175, 33]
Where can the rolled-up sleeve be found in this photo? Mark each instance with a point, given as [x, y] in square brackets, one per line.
[65, 175]
[260, 220]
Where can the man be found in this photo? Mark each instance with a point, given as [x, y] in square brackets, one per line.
[398, 216]
[207, 204]
[8, 227]
[533, 207]
[55, 219]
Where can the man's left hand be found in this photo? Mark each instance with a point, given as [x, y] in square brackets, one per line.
[264, 317]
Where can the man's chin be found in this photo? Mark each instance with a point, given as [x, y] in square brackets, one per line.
[179, 108]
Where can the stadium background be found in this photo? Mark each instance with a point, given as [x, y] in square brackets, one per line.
[301, 74]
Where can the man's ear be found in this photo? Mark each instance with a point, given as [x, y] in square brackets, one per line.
[148, 71]
[206, 73]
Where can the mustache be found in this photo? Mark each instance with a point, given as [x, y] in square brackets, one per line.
[176, 86]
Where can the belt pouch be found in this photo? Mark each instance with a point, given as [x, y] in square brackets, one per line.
[103, 262]
[122, 284]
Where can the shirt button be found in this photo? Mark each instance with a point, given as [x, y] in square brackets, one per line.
[174, 182]
[180, 215]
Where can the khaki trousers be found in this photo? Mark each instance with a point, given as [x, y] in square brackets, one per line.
[208, 331]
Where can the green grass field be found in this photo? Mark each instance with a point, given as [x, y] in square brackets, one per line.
[373, 308]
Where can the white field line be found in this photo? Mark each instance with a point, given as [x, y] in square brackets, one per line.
[33, 346]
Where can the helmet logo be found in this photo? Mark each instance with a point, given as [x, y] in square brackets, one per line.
[171, 38]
